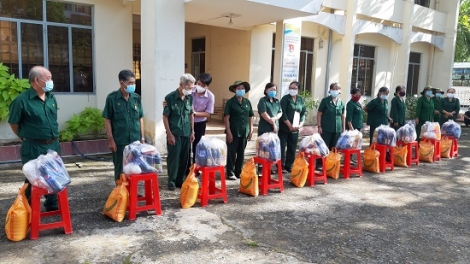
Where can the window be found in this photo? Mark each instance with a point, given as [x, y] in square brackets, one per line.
[198, 56]
[413, 73]
[461, 76]
[137, 68]
[424, 3]
[61, 39]
[363, 68]
[306, 64]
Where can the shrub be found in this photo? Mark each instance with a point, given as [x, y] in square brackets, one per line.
[89, 122]
[410, 107]
[10, 88]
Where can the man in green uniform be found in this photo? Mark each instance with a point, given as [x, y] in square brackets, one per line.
[123, 118]
[293, 107]
[178, 119]
[330, 117]
[238, 121]
[33, 118]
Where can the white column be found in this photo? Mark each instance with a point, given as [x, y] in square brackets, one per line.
[400, 75]
[162, 47]
[278, 54]
[260, 62]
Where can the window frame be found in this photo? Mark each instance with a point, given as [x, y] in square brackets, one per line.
[356, 59]
[413, 65]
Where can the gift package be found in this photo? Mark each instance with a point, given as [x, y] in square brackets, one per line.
[315, 145]
[141, 158]
[268, 146]
[211, 152]
[47, 172]
[350, 139]
[406, 133]
[451, 129]
[385, 135]
[431, 130]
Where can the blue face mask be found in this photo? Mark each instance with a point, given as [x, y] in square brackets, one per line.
[429, 93]
[240, 93]
[334, 93]
[130, 88]
[383, 96]
[49, 86]
[272, 94]
[438, 95]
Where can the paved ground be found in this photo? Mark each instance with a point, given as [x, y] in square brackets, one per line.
[412, 215]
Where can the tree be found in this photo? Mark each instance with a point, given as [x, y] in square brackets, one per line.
[462, 45]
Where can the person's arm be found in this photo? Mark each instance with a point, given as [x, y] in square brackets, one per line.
[109, 133]
[418, 109]
[457, 110]
[166, 123]
[250, 134]
[142, 136]
[227, 113]
[14, 128]
[394, 111]
[343, 121]
[321, 108]
[302, 113]
[349, 114]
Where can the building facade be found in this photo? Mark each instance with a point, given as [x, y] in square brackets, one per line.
[357, 43]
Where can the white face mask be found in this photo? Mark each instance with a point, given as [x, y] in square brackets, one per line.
[200, 89]
[293, 92]
[450, 95]
[186, 92]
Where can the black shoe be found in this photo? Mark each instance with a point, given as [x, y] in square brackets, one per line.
[53, 208]
[284, 171]
[171, 188]
[232, 178]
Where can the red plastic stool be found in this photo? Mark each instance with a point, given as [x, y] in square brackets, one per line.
[410, 159]
[151, 197]
[384, 164]
[346, 168]
[36, 215]
[208, 190]
[437, 148]
[314, 176]
[267, 182]
[454, 151]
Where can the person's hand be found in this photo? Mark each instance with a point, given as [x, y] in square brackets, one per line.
[112, 145]
[142, 140]
[436, 112]
[170, 139]
[250, 135]
[291, 128]
[229, 137]
[274, 128]
[320, 130]
[191, 138]
[164, 103]
[390, 120]
[395, 124]
[416, 120]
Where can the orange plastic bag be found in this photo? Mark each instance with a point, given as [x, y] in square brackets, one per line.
[333, 164]
[189, 189]
[426, 151]
[18, 217]
[399, 156]
[299, 173]
[446, 145]
[249, 179]
[116, 205]
[371, 160]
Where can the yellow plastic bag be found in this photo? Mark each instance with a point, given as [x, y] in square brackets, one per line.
[116, 205]
[426, 151]
[371, 160]
[399, 156]
[249, 179]
[299, 173]
[446, 145]
[333, 164]
[189, 189]
[18, 217]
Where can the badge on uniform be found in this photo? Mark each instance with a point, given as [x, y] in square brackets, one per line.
[119, 104]
[135, 107]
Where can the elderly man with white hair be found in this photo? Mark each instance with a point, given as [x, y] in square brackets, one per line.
[178, 120]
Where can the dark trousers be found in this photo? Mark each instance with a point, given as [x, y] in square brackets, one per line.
[235, 156]
[288, 148]
[117, 161]
[177, 161]
[199, 131]
[31, 150]
[330, 141]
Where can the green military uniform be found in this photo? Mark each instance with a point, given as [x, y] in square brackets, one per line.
[449, 106]
[424, 112]
[39, 130]
[354, 114]
[377, 111]
[289, 139]
[125, 118]
[437, 106]
[178, 111]
[272, 109]
[240, 114]
[397, 112]
[331, 110]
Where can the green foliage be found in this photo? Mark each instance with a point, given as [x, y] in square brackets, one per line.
[462, 45]
[310, 103]
[10, 88]
[364, 113]
[89, 122]
[410, 107]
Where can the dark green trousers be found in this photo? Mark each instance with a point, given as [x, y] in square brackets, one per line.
[235, 156]
[177, 161]
[117, 161]
[330, 139]
[31, 150]
[288, 148]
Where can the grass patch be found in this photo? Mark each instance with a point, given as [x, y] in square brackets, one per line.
[251, 243]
